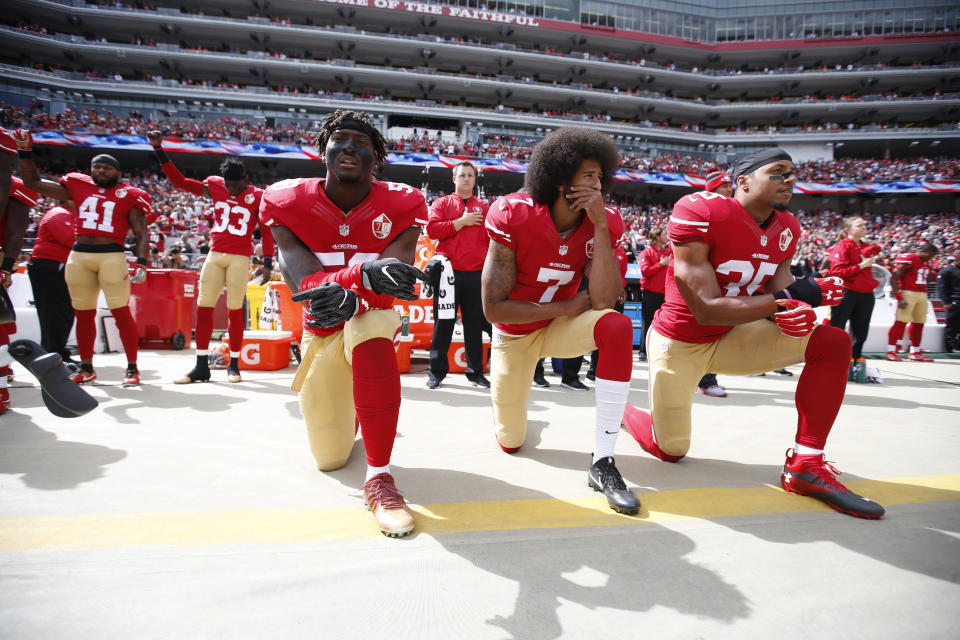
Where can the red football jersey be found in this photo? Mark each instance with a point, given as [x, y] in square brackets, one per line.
[744, 256]
[341, 239]
[549, 267]
[916, 273]
[19, 192]
[234, 219]
[102, 211]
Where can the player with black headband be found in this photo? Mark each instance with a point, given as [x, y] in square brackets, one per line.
[346, 245]
[106, 210]
[729, 278]
[236, 204]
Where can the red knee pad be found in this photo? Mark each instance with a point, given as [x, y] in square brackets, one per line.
[613, 335]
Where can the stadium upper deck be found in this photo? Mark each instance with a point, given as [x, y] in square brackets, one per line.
[507, 77]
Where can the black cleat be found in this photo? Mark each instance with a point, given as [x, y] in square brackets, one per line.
[540, 381]
[812, 475]
[603, 476]
[478, 380]
[432, 382]
[197, 374]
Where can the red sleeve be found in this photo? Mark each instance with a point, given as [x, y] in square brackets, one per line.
[7, 143]
[28, 197]
[439, 226]
[266, 241]
[690, 220]
[841, 264]
[497, 222]
[180, 181]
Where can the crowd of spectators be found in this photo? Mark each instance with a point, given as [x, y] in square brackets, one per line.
[180, 235]
[494, 146]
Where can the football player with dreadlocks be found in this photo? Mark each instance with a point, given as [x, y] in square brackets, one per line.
[235, 206]
[346, 245]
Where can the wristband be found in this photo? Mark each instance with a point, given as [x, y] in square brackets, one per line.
[898, 295]
[268, 262]
[782, 295]
[142, 262]
[26, 154]
[161, 155]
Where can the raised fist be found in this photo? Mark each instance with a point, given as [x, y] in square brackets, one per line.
[391, 277]
[330, 304]
[23, 139]
[797, 320]
[155, 138]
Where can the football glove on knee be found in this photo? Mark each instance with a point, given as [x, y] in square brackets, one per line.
[389, 276]
[330, 304]
[797, 320]
[815, 292]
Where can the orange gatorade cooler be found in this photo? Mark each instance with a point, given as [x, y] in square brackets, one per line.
[290, 312]
[265, 350]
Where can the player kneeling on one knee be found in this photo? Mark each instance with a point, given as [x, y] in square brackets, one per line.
[732, 306]
[542, 242]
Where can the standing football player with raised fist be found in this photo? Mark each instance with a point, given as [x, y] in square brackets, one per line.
[236, 204]
[732, 306]
[346, 245]
[542, 243]
[106, 210]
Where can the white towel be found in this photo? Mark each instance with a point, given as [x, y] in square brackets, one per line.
[446, 305]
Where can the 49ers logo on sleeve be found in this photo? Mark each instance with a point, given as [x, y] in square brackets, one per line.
[121, 193]
[785, 237]
[381, 226]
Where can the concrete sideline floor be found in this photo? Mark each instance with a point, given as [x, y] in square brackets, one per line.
[196, 512]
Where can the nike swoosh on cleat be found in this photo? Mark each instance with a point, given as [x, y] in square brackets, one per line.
[610, 432]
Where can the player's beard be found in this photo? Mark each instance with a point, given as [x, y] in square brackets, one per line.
[106, 183]
[780, 206]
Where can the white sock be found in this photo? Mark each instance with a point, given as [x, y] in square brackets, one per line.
[802, 450]
[3, 380]
[892, 348]
[234, 354]
[203, 352]
[611, 401]
[375, 471]
[914, 349]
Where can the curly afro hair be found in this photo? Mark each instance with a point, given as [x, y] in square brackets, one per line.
[556, 159]
[233, 169]
[356, 120]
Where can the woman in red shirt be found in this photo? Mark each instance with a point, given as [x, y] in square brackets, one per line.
[653, 279]
[852, 259]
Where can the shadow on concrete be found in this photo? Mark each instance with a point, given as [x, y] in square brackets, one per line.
[45, 462]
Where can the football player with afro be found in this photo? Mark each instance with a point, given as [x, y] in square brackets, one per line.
[543, 241]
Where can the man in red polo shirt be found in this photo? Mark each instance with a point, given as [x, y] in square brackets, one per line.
[55, 236]
[456, 222]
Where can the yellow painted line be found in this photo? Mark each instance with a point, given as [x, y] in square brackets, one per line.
[99, 531]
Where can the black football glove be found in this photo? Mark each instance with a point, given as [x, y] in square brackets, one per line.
[391, 277]
[330, 304]
[433, 271]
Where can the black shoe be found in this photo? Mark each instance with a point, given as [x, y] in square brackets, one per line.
[591, 376]
[479, 381]
[433, 383]
[574, 385]
[783, 372]
[603, 476]
[641, 356]
[198, 374]
[540, 381]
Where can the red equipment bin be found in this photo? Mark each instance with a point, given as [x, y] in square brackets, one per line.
[164, 306]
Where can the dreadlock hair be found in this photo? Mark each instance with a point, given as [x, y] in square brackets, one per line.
[356, 120]
[556, 159]
[233, 169]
